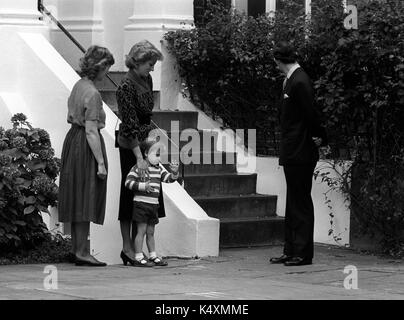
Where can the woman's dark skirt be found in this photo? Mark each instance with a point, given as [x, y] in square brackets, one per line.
[128, 160]
[82, 195]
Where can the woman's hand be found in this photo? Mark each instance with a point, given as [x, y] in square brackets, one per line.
[142, 168]
[102, 171]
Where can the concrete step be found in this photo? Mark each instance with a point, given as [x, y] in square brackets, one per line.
[209, 168]
[202, 158]
[186, 119]
[249, 232]
[221, 184]
[201, 168]
[192, 139]
[242, 206]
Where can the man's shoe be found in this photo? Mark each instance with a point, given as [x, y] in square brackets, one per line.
[297, 261]
[282, 259]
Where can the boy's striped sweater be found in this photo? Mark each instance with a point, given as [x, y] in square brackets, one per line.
[157, 174]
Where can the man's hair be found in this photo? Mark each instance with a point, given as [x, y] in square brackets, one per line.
[285, 52]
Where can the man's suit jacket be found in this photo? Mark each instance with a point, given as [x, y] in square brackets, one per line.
[299, 121]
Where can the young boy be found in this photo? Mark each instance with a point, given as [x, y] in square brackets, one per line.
[146, 201]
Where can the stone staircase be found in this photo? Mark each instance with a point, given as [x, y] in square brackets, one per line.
[246, 218]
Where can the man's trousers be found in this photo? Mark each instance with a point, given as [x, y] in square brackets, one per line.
[299, 215]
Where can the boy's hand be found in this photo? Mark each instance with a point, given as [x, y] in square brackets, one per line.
[174, 166]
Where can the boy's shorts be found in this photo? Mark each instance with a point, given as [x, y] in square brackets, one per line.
[145, 213]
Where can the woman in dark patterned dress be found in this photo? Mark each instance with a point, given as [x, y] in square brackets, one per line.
[83, 174]
[135, 105]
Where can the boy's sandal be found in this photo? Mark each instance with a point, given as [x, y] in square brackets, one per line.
[158, 261]
[142, 263]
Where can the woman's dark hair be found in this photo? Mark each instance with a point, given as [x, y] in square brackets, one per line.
[95, 59]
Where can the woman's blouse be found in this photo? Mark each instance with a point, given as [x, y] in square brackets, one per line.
[85, 104]
[135, 104]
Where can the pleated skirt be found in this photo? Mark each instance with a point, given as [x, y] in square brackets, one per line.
[82, 195]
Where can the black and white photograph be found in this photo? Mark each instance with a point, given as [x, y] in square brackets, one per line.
[201, 158]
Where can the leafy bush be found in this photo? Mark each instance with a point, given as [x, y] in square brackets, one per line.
[55, 250]
[362, 93]
[359, 81]
[228, 70]
[27, 184]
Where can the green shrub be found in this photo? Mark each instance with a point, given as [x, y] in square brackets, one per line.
[27, 184]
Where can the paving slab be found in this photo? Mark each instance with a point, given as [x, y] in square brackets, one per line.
[237, 274]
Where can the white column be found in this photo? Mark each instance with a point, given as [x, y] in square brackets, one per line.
[115, 16]
[21, 13]
[270, 7]
[150, 21]
[308, 8]
[83, 19]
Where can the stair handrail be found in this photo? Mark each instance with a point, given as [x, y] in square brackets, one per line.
[42, 9]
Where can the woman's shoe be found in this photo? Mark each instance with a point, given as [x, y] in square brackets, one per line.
[126, 259]
[80, 262]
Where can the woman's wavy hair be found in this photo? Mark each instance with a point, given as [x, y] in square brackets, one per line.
[141, 52]
[95, 59]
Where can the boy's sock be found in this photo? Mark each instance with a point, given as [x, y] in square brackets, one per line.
[139, 256]
[153, 255]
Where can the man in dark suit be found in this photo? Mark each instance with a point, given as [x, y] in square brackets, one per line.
[301, 135]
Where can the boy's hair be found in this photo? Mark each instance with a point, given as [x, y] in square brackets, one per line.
[146, 145]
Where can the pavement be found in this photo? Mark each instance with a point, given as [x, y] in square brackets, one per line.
[237, 274]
